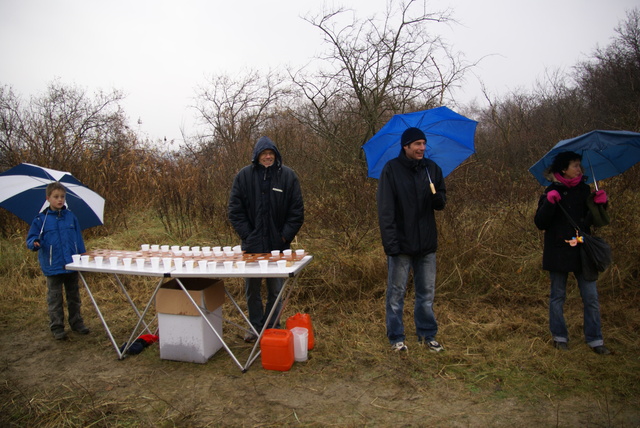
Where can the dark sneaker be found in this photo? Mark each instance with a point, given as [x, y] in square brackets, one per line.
[81, 328]
[601, 350]
[399, 347]
[60, 334]
[562, 346]
[250, 337]
[434, 346]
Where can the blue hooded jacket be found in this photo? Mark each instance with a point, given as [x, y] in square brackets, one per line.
[265, 204]
[59, 235]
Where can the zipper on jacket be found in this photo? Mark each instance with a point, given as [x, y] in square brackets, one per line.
[50, 254]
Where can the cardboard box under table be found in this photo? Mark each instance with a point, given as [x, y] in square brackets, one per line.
[185, 335]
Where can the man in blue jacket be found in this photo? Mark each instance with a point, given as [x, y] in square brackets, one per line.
[266, 211]
[410, 188]
[55, 233]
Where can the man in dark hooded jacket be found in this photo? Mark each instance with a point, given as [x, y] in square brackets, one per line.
[410, 188]
[266, 211]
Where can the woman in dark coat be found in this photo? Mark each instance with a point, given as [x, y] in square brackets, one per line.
[561, 253]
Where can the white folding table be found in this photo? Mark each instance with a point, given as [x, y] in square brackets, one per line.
[290, 273]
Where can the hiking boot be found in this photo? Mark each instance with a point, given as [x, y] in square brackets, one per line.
[399, 347]
[59, 334]
[562, 346]
[601, 350]
[81, 328]
[434, 346]
[250, 337]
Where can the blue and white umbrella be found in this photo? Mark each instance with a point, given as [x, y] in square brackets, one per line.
[23, 192]
[604, 154]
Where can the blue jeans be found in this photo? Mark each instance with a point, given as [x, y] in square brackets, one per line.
[257, 312]
[424, 279]
[589, 294]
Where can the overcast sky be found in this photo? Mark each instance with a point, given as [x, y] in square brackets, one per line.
[158, 52]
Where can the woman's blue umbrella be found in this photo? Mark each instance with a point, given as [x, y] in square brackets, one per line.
[23, 192]
[604, 154]
[449, 139]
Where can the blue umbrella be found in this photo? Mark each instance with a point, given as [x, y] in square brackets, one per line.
[23, 192]
[604, 154]
[449, 139]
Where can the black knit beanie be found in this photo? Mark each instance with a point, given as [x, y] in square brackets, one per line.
[412, 134]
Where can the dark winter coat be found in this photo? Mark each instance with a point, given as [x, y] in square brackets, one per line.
[265, 205]
[406, 206]
[558, 255]
[59, 239]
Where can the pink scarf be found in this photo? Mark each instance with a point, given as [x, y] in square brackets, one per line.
[569, 182]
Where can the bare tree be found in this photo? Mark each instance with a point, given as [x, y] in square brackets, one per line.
[375, 68]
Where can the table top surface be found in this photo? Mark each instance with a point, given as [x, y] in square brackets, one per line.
[203, 266]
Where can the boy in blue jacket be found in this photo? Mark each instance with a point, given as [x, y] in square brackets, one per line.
[56, 234]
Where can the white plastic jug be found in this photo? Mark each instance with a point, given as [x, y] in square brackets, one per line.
[300, 343]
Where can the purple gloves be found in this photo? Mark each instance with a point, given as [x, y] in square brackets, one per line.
[553, 196]
[600, 197]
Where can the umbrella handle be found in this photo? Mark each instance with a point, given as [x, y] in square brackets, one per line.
[433, 188]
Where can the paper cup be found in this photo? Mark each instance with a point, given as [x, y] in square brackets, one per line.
[211, 266]
[144, 247]
[155, 263]
[155, 247]
[226, 249]
[196, 248]
[286, 252]
[185, 248]
[164, 248]
[166, 263]
[263, 264]
[175, 248]
[206, 249]
[228, 266]
[177, 262]
[84, 260]
[282, 264]
[140, 263]
[214, 249]
[188, 264]
[76, 259]
[98, 260]
[241, 265]
[237, 249]
[203, 265]
[275, 253]
[218, 253]
[126, 262]
[113, 261]
[299, 252]
[229, 253]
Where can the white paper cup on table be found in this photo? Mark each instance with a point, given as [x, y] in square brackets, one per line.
[126, 261]
[185, 248]
[226, 249]
[203, 265]
[282, 264]
[175, 248]
[155, 247]
[241, 265]
[229, 253]
[98, 260]
[197, 253]
[76, 258]
[188, 264]
[177, 262]
[237, 249]
[299, 252]
[218, 253]
[177, 253]
[164, 248]
[113, 261]
[84, 260]
[207, 253]
[196, 248]
[300, 343]
[228, 266]
[206, 249]
[140, 263]
[214, 249]
[166, 263]
[145, 247]
[155, 263]
[188, 253]
[286, 252]
[275, 253]
[211, 266]
[264, 264]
